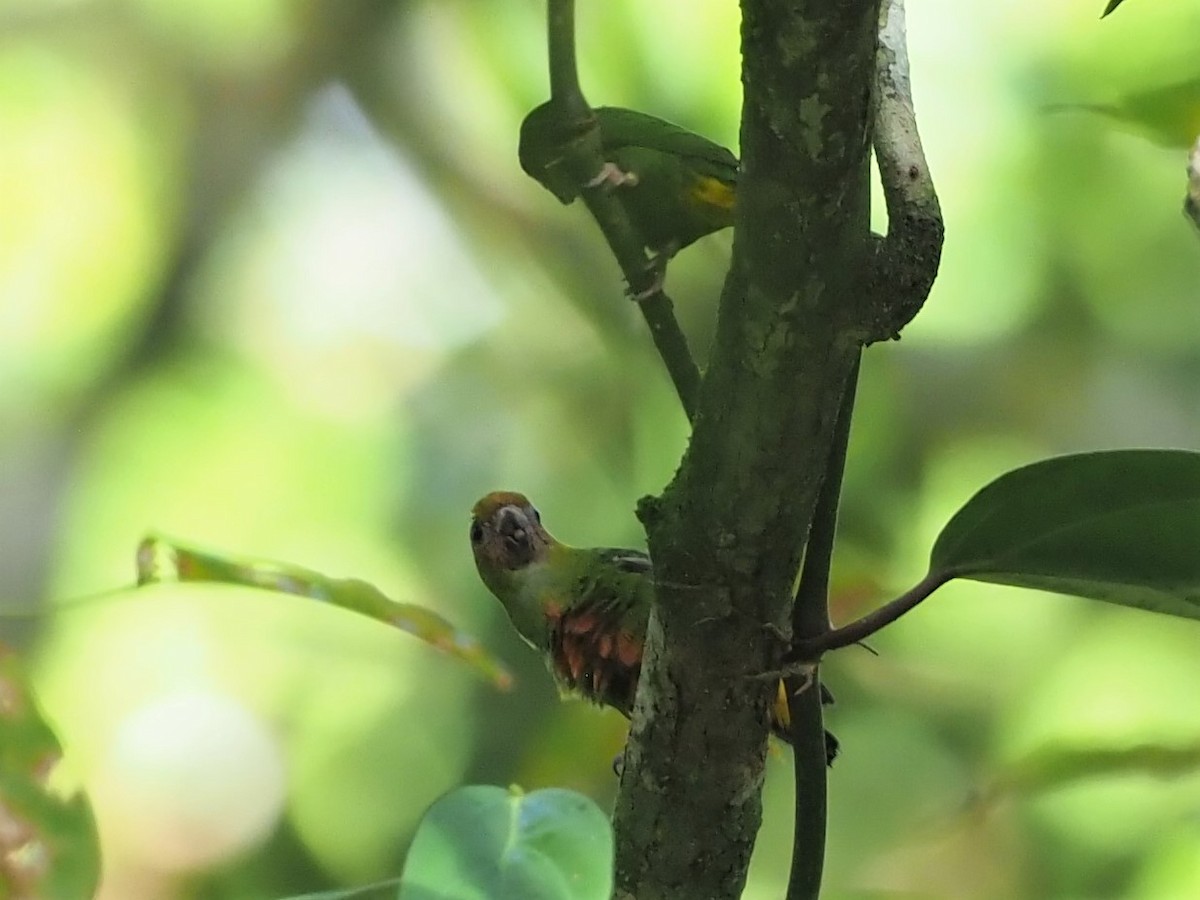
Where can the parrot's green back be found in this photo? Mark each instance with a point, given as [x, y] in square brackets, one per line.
[587, 610]
[685, 185]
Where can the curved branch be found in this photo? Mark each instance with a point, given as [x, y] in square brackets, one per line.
[906, 261]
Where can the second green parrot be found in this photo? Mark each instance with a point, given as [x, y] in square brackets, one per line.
[676, 185]
[584, 609]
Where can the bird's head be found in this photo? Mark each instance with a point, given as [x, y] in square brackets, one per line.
[544, 142]
[507, 535]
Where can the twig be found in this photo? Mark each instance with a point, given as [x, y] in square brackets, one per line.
[907, 259]
[584, 159]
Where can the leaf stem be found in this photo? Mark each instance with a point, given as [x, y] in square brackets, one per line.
[809, 650]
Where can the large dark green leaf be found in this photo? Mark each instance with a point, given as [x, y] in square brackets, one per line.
[485, 843]
[1121, 526]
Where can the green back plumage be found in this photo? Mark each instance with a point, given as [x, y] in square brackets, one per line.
[623, 128]
[614, 584]
[685, 183]
[586, 610]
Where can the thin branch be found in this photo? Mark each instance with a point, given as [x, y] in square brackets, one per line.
[810, 767]
[657, 309]
[907, 259]
[810, 619]
[584, 160]
[565, 92]
[806, 652]
[810, 614]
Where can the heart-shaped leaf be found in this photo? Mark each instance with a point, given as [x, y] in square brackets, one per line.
[1121, 526]
[485, 843]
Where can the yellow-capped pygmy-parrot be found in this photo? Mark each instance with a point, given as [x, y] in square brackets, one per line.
[584, 609]
[676, 185]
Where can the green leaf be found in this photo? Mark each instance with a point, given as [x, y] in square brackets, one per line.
[380, 890]
[48, 842]
[485, 843]
[161, 560]
[1121, 526]
[1056, 765]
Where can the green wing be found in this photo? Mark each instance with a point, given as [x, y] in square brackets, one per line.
[685, 185]
[596, 643]
[621, 128]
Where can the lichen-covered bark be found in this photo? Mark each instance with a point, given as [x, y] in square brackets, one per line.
[727, 533]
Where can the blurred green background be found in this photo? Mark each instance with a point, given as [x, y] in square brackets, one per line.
[272, 282]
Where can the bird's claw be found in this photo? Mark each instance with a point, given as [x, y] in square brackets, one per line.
[611, 176]
[657, 267]
[807, 675]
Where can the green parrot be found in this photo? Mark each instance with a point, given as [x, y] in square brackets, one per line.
[676, 186]
[584, 609]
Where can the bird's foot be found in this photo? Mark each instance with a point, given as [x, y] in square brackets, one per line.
[612, 176]
[807, 676]
[656, 267]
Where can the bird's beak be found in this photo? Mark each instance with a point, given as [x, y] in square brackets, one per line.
[512, 524]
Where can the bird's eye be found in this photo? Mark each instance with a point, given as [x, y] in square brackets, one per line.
[537, 516]
[476, 532]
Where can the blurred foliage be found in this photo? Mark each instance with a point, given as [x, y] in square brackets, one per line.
[48, 845]
[271, 278]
